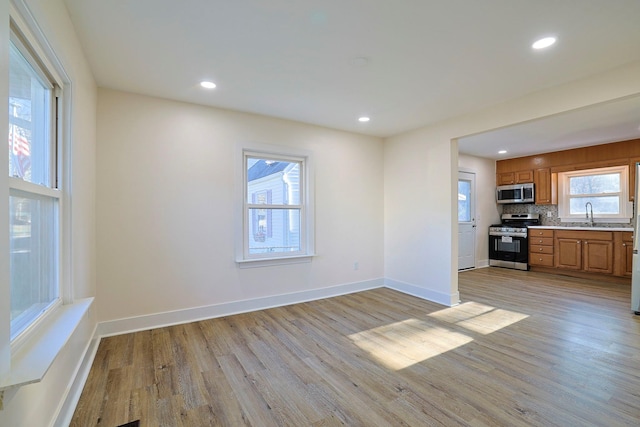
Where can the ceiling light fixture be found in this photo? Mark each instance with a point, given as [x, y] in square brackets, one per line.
[542, 43]
[502, 152]
[207, 85]
[364, 119]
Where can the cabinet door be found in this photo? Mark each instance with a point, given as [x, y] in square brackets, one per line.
[598, 256]
[543, 187]
[524, 176]
[632, 176]
[568, 253]
[506, 178]
[627, 257]
[628, 265]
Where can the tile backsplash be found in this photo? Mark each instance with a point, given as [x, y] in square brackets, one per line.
[553, 220]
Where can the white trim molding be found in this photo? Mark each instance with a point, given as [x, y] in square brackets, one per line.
[169, 318]
[428, 294]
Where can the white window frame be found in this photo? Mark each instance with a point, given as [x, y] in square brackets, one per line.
[564, 197]
[28, 357]
[306, 207]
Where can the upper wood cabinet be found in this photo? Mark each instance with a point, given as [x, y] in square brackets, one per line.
[518, 177]
[546, 184]
[632, 176]
[534, 168]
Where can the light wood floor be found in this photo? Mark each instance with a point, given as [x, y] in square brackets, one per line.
[523, 349]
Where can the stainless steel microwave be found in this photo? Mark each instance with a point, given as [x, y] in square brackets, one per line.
[518, 193]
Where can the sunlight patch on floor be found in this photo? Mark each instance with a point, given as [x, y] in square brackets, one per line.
[402, 344]
[479, 318]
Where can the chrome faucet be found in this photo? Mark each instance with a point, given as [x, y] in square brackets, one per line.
[590, 210]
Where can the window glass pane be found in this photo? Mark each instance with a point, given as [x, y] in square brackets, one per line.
[464, 200]
[274, 231]
[601, 205]
[33, 258]
[30, 123]
[279, 179]
[595, 184]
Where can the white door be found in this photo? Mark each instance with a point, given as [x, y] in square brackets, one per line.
[466, 220]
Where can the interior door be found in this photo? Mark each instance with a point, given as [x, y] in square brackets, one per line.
[466, 220]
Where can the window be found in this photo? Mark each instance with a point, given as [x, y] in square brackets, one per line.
[464, 200]
[34, 198]
[603, 190]
[277, 214]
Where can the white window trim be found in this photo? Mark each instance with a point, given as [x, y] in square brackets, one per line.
[32, 353]
[307, 241]
[626, 208]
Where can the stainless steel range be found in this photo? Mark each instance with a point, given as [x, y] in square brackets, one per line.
[509, 242]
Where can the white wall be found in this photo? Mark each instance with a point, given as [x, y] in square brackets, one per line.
[420, 223]
[38, 404]
[166, 213]
[487, 211]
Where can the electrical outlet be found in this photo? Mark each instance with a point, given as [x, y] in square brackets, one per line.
[549, 215]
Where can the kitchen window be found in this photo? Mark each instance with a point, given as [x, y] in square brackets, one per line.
[277, 213]
[603, 190]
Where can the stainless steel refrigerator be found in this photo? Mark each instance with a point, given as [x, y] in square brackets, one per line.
[635, 277]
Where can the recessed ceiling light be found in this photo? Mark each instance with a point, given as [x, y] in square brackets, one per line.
[207, 85]
[502, 152]
[542, 43]
[364, 119]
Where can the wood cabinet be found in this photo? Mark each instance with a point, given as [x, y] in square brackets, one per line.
[546, 184]
[568, 253]
[580, 253]
[632, 178]
[623, 253]
[541, 248]
[590, 251]
[522, 169]
[518, 177]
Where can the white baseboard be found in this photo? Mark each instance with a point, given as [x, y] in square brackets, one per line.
[159, 320]
[482, 263]
[438, 297]
[65, 414]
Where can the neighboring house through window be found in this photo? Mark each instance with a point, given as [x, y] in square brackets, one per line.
[276, 209]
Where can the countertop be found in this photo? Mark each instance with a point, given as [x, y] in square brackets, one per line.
[586, 228]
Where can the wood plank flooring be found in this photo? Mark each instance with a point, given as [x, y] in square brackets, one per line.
[522, 349]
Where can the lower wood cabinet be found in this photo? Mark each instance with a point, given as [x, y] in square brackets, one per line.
[623, 253]
[541, 247]
[568, 253]
[580, 252]
[590, 251]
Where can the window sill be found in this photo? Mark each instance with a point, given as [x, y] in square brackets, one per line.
[34, 358]
[267, 262]
[581, 219]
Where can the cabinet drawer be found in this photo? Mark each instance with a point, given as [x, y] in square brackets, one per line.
[540, 232]
[540, 249]
[584, 235]
[547, 241]
[544, 260]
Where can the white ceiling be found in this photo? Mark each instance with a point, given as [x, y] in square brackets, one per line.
[405, 63]
[597, 124]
